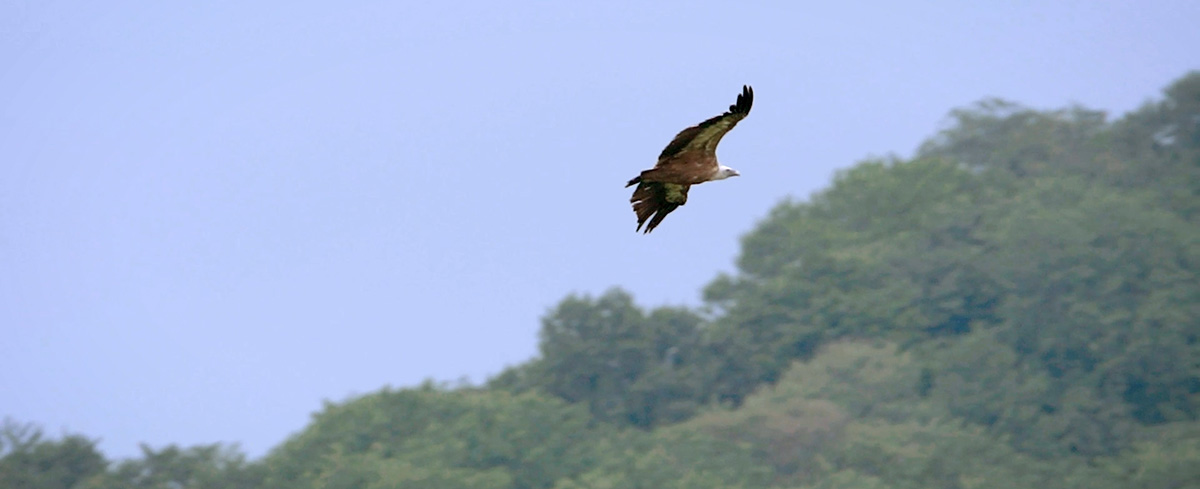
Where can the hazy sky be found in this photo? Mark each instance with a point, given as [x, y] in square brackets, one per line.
[214, 215]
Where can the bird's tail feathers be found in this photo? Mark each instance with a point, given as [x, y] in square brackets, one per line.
[649, 206]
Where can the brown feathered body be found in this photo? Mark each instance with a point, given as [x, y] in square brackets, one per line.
[690, 159]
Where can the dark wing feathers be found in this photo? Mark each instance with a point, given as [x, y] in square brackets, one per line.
[653, 201]
[705, 135]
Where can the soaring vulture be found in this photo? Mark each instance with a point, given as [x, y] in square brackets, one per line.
[690, 159]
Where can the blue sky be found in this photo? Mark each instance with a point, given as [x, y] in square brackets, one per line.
[215, 215]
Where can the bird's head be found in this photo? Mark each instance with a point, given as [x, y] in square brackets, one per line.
[725, 172]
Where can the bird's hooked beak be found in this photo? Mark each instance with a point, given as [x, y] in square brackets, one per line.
[734, 173]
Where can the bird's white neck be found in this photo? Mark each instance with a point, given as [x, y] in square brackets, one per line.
[724, 172]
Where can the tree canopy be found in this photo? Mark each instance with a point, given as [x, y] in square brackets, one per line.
[1017, 305]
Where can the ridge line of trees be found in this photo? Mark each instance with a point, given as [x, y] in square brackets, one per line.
[1017, 305]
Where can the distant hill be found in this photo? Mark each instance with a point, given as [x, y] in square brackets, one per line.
[1016, 306]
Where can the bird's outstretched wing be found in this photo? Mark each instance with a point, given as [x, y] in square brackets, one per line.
[705, 135]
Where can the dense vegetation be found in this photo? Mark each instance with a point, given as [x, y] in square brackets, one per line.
[1016, 306]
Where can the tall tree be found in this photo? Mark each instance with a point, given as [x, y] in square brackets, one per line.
[626, 366]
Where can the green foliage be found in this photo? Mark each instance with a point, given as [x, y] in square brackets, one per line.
[939, 454]
[29, 461]
[626, 366]
[1008, 142]
[375, 470]
[1102, 296]
[433, 436]
[862, 378]
[1166, 458]
[1157, 148]
[855, 414]
[199, 467]
[787, 434]
[1004, 241]
[794, 424]
[888, 252]
[849, 479]
[670, 458]
[1038, 269]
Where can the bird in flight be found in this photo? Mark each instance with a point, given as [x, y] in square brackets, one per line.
[690, 159]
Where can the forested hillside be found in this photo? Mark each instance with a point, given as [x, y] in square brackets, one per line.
[1016, 306]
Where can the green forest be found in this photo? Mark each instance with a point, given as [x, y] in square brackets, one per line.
[1016, 306]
